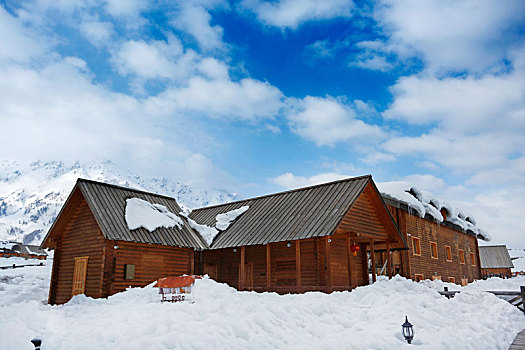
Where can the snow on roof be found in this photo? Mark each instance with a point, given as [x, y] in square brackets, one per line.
[35, 250]
[424, 203]
[225, 219]
[5, 245]
[140, 213]
[207, 233]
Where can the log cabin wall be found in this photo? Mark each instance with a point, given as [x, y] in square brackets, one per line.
[151, 262]
[81, 237]
[429, 231]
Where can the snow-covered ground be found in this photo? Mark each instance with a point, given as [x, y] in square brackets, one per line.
[366, 318]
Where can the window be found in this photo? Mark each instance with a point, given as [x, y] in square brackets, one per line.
[416, 247]
[129, 271]
[448, 253]
[461, 256]
[433, 250]
[472, 259]
[419, 277]
[464, 281]
[452, 279]
[435, 277]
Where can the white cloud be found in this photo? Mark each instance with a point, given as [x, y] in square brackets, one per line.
[289, 180]
[451, 35]
[247, 99]
[97, 32]
[18, 43]
[375, 157]
[327, 121]
[126, 8]
[426, 182]
[194, 18]
[292, 13]
[155, 59]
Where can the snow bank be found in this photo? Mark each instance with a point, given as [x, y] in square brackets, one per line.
[225, 219]
[424, 203]
[367, 318]
[206, 232]
[5, 245]
[140, 213]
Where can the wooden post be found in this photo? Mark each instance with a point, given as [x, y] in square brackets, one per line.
[446, 290]
[522, 290]
[388, 260]
[328, 265]
[192, 261]
[298, 263]
[364, 263]
[241, 269]
[349, 254]
[54, 274]
[372, 258]
[268, 267]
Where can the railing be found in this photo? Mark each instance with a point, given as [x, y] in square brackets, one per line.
[14, 266]
[518, 300]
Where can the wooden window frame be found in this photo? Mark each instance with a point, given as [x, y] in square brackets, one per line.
[461, 254]
[418, 241]
[434, 244]
[452, 279]
[448, 253]
[420, 276]
[472, 259]
[436, 277]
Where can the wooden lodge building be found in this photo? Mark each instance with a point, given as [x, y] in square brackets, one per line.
[495, 261]
[319, 238]
[95, 252]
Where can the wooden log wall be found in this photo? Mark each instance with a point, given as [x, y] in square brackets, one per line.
[428, 231]
[81, 237]
[151, 263]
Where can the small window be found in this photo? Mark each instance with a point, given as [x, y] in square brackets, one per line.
[435, 277]
[416, 247]
[433, 250]
[472, 259]
[452, 279]
[464, 281]
[461, 256]
[448, 253]
[129, 271]
[419, 277]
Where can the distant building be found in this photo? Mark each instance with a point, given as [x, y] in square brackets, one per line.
[9, 249]
[495, 261]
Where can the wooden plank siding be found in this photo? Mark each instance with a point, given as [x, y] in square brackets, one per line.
[81, 237]
[429, 231]
[151, 262]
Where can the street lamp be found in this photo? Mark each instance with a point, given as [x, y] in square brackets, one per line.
[408, 330]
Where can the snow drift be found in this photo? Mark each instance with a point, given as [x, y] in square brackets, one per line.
[222, 318]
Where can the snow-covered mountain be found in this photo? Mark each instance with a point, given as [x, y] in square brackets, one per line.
[31, 195]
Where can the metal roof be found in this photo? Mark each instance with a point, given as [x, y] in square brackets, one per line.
[108, 203]
[495, 257]
[313, 211]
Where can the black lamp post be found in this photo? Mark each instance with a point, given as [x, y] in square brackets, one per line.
[37, 343]
[408, 330]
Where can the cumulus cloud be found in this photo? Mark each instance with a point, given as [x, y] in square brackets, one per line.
[289, 180]
[96, 32]
[455, 36]
[326, 121]
[292, 13]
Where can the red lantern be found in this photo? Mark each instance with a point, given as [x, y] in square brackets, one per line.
[354, 248]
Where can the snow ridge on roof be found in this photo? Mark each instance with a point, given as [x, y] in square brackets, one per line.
[424, 203]
[141, 213]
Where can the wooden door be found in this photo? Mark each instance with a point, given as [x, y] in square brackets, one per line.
[211, 270]
[79, 275]
[248, 275]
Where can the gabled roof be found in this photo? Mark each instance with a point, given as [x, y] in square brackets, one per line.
[108, 202]
[495, 257]
[313, 211]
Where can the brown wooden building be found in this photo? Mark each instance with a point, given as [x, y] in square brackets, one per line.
[495, 261]
[313, 238]
[98, 255]
[436, 250]
[9, 249]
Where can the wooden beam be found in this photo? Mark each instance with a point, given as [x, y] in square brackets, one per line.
[298, 262]
[328, 264]
[268, 267]
[388, 261]
[349, 261]
[372, 258]
[242, 269]
[192, 261]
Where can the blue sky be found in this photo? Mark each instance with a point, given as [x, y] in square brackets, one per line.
[258, 96]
